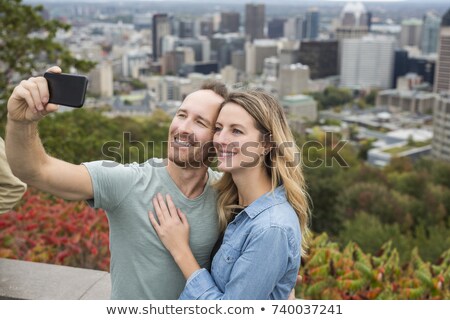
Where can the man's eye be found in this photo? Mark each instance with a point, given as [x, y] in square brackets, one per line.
[217, 129]
[181, 115]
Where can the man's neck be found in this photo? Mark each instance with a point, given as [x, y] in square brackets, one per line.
[190, 181]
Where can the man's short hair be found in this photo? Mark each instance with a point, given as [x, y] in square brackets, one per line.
[217, 87]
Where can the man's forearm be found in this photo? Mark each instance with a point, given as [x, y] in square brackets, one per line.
[24, 150]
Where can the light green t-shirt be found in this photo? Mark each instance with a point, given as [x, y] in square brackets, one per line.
[141, 268]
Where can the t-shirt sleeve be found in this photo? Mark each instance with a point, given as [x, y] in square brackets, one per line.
[111, 182]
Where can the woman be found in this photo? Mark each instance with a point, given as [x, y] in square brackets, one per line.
[262, 204]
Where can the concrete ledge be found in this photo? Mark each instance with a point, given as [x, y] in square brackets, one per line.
[40, 281]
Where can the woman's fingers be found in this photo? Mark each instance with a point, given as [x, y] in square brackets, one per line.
[154, 222]
[182, 217]
[172, 208]
[158, 210]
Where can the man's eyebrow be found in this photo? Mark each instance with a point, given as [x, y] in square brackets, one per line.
[205, 120]
[199, 116]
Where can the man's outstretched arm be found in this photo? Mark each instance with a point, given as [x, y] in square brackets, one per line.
[26, 155]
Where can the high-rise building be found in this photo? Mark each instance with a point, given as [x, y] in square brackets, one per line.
[201, 47]
[275, 28]
[442, 75]
[441, 130]
[311, 24]
[160, 28]
[101, 80]
[353, 22]
[255, 15]
[430, 33]
[321, 57]
[293, 79]
[411, 33]
[186, 28]
[223, 45]
[229, 21]
[256, 52]
[368, 62]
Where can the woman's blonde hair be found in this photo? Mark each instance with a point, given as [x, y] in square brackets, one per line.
[282, 160]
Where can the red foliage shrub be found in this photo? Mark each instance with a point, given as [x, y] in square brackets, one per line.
[50, 230]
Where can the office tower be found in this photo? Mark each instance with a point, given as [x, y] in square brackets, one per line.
[186, 28]
[441, 130]
[367, 62]
[275, 28]
[271, 67]
[401, 65]
[442, 75]
[101, 80]
[320, 56]
[353, 21]
[289, 56]
[201, 47]
[293, 79]
[229, 22]
[430, 33]
[256, 52]
[238, 60]
[255, 15]
[160, 28]
[311, 24]
[410, 34]
[223, 45]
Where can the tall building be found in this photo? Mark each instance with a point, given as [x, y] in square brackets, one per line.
[311, 24]
[275, 28]
[160, 28]
[442, 75]
[368, 62]
[411, 33]
[441, 130]
[229, 21]
[321, 57]
[186, 28]
[101, 80]
[430, 33]
[255, 16]
[223, 45]
[201, 47]
[293, 79]
[353, 22]
[256, 52]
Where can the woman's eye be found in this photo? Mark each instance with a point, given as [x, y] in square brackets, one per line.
[237, 131]
[180, 115]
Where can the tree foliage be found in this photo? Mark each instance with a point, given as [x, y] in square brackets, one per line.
[28, 46]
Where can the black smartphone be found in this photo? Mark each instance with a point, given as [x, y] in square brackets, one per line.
[66, 89]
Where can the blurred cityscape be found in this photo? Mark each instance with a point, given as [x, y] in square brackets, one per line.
[377, 73]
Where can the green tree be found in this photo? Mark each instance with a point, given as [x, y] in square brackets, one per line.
[28, 45]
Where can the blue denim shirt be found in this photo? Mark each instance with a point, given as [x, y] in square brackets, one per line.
[259, 257]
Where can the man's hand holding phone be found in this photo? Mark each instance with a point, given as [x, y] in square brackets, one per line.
[36, 97]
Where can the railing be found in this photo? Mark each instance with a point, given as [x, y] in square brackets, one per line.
[31, 280]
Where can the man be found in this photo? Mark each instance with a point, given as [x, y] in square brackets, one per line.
[140, 266]
[11, 188]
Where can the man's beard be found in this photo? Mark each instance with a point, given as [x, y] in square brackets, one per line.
[198, 157]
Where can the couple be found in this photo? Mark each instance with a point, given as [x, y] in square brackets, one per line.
[259, 203]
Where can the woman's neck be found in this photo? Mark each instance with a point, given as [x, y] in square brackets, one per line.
[251, 184]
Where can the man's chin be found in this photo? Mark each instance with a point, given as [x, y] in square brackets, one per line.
[187, 163]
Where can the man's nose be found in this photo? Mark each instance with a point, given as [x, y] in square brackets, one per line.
[185, 127]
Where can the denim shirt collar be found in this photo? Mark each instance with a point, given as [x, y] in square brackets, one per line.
[266, 201]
